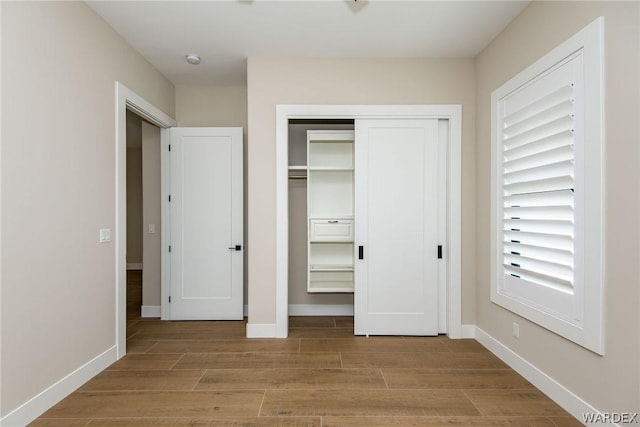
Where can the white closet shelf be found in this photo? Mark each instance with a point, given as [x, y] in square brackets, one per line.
[319, 289]
[331, 217]
[327, 241]
[328, 267]
[330, 168]
[298, 168]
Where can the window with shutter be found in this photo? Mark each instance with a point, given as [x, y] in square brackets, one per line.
[547, 156]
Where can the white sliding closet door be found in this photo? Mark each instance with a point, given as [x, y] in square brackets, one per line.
[206, 224]
[396, 227]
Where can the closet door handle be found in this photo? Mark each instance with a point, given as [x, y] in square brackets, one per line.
[334, 221]
[360, 252]
[236, 248]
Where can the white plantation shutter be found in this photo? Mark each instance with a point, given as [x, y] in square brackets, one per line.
[537, 144]
[538, 186]
[547, 155]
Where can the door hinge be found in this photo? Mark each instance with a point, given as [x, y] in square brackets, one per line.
[439, 251]
[169, 248]
[169, 197]
[169, 147]
[169, 298]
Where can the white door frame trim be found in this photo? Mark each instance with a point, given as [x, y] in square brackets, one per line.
[126, 99]
[454, 194]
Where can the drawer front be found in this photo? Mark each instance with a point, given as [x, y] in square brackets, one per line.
[327, 230]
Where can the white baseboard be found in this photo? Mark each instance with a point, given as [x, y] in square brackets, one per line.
[134, 266]
[150, 311]
[468, 331]
[320, 309]
[556, 391]
[36, 406]
[261, 330]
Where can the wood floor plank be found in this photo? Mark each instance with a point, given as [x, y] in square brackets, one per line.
[514, 403]
[320, 332]
[214, 333]
[60, 422]
[146, 361]
[464, 345]
[312, 322]
[258, 360]
[344, 321]
[565, 422]
[318, 379]
[195, 330]
[192, 330]
[455, 378]
[144, 380]
[132, 323]
[366, 403]
[231, 345]
[431, 360]
[132, 332]
[373, 344]
[209, 422]
[436, 421]
[135, 345]
[190, 325]
[157, 404]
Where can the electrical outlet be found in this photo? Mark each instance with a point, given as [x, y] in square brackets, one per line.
[516, 330]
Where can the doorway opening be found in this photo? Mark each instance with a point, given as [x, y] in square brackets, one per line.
[127, 100]
[143, 219]
[134, 218]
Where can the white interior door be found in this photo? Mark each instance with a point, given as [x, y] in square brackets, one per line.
[396, 227]
[206, 224]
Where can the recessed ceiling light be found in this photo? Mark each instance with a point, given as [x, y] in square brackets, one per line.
[193, 59]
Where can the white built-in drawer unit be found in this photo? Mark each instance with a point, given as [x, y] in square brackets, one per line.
[331, 230]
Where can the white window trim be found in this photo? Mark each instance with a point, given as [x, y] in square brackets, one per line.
[588, 332]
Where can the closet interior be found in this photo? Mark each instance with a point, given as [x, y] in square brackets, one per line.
[321, 212]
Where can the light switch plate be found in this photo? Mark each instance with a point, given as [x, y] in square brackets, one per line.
[152, 228]
[105, 235]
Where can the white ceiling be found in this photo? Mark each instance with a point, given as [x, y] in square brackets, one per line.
[226, 33]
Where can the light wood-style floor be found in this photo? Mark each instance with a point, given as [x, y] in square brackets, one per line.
[209, 374]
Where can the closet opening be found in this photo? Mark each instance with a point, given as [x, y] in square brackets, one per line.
[405, 160]
[320, 186]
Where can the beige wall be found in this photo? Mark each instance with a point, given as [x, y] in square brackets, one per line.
[134, 188]
[151, 214]
[344, 81]
[60, 62]
[198, 105]
[610, 383]
[134, 205]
